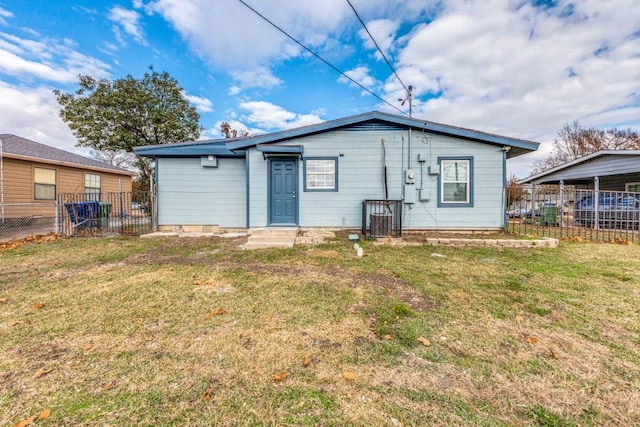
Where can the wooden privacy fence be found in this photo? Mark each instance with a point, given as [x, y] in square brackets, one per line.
[123, 213]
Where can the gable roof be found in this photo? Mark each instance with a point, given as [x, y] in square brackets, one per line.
[600, 163]
[518, 146]
[22, 148]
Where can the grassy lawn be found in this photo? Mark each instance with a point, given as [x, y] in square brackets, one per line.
[197, 332]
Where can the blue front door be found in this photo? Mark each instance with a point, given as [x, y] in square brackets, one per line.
[283, 188]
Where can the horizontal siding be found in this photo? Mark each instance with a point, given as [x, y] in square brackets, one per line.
[360, 177]
[18, 181]
[189, 194]
[19, 186]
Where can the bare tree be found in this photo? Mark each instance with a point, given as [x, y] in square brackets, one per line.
[575, 141]
[120, 159]
[230, 132]
[515, 192]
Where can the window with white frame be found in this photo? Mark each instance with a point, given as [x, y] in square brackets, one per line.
[44, 184]
[92, 186]
[632, 187]
[321, 174]
[455, 182]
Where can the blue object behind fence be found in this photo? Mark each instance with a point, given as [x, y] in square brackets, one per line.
[83, 214]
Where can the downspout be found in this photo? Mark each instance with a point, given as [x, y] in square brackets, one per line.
[247, 186]
[596, 202]
[505, 221]
[154, 195]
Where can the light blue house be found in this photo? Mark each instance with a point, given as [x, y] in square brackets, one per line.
[442, 177]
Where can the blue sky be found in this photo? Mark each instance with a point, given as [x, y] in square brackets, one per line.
[513, 67]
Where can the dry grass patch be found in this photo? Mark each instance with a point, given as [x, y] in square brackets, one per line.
[196, 332]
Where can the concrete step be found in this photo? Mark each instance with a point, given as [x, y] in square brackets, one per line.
[271, 237]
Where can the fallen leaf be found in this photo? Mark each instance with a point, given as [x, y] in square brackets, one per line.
[15, 322]
[623, 268]
[424, 341]
[218, 312]
[519, 319]
[37, 306]
[279, 377]
[41, 372]
[306, 361]
[197, 282]
[25, 422]
[552, 353]
[88, 346]
[350, 376]
[387, 337]
[207, 394]
[3, 300]
[109, 384]
[597, 257]
[44, 414]
[531, 340]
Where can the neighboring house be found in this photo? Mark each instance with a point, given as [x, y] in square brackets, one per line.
[609, 170]
[319, 175]
[34, 172]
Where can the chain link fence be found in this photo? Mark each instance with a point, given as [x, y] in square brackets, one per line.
[567, 212]
[19, 220]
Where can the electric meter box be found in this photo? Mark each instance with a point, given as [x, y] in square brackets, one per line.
[409, 176]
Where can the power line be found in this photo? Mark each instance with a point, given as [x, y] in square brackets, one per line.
[319, 57]
[378, 47]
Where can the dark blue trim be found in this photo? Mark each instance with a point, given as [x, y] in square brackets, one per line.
[468, 204]
[330, 190]
[280, 149]
[248, 187]
[294, 160]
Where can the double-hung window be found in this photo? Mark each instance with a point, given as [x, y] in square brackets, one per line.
[92, 187]
[44, 184]
[321, 174]
[456, 185]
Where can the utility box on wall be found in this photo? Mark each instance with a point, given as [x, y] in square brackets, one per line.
[409, 194]
[209, 161]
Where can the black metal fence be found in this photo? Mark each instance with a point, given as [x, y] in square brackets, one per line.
[87, 214]
[566, 212]
[382, 218]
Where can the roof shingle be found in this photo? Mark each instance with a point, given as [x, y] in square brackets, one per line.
[12, 144]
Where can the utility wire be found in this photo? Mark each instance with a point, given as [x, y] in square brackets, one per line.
[320, 58]
[378, 47]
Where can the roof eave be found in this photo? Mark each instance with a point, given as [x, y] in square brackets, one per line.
[67, 164]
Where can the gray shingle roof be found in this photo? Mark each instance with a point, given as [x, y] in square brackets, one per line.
[12, 144]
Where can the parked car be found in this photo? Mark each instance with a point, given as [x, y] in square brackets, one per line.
[515, 213]
[615, 210]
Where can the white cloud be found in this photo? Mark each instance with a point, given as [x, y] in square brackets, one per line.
[203, 105]
[127, 21]
[270, 117]
[232, 36]
[4, 14]
[33, 113]
[360, 75]
[234, 90]
[258, 77]
[47, 59]
[383, 32]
